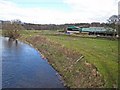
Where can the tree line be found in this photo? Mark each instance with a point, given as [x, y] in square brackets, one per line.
[12, 28]
[31, 26]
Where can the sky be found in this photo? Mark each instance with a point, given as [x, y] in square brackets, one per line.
[58, 11]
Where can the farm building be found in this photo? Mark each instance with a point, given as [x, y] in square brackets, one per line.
[73, 29]
[98, 31]
[90, 31]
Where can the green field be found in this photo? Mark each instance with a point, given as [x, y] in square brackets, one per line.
[0, 32]
[102, 53]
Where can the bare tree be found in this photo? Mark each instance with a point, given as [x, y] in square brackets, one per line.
[12, 29]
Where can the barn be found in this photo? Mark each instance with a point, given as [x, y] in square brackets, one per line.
[90, 31]
[73, 29]
[98, 31]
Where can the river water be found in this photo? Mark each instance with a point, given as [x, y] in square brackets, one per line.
[23, 67]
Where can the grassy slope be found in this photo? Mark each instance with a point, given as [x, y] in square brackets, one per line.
[0, 32]
[100, 52]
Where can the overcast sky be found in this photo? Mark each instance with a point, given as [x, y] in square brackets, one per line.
[58, 11]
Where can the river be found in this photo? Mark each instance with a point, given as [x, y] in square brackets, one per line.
[23, 67]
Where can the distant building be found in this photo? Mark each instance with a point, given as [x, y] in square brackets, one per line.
[99, 31]
[90, 31]
[73, 29]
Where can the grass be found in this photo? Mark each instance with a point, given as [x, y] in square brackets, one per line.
[0, 32]
[101, 53]
[62, 51]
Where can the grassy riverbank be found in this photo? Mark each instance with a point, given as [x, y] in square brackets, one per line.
[0, 32]
[82, 62]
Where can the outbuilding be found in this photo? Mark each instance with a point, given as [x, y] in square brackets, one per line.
[73, 29]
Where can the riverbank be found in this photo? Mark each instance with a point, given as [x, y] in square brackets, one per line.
[71, 61]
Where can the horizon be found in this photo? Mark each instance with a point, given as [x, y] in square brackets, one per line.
[58, 11]
[52, 24]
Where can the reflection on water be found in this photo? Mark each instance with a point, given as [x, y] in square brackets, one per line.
[23, 67]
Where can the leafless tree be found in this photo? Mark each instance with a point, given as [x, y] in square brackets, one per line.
[12, 29]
